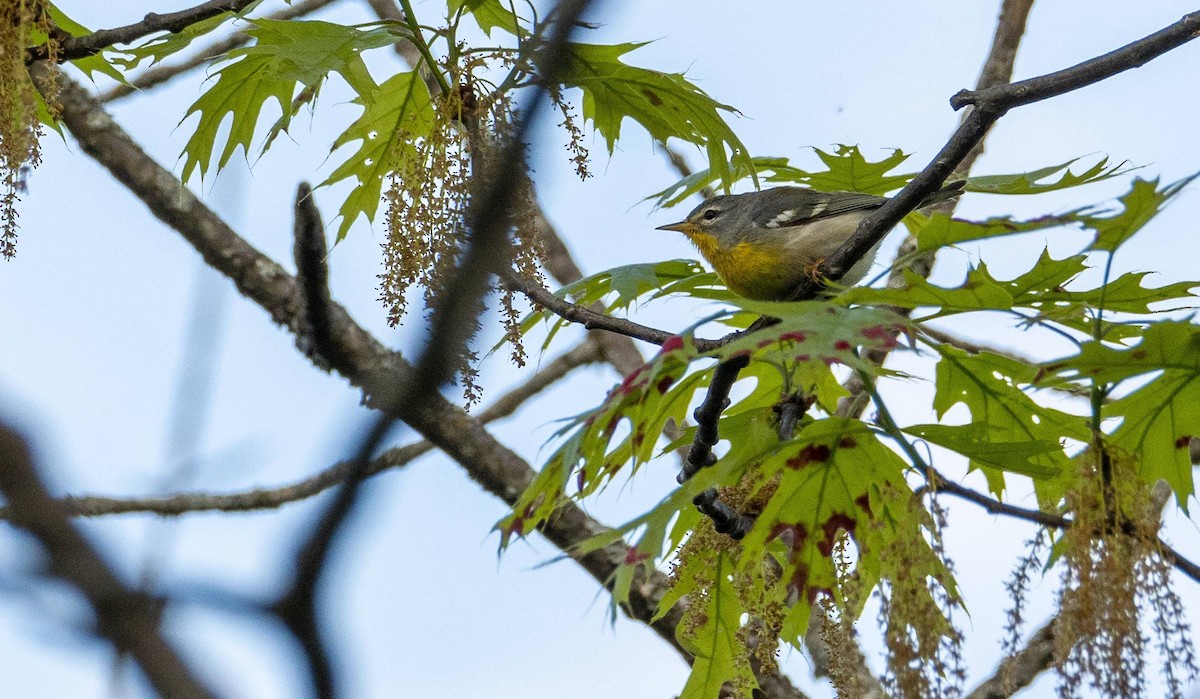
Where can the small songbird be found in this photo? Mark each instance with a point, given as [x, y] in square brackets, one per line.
[763, 244]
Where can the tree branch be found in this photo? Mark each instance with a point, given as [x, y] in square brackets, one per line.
[1021, 668]
[454, 319]
[1133, 55]
[157, 75]
[619, 349]
[130, 620]
[75, 47]
[593, 320]
[1046, 519]
[1018, 671]
[586, 352]
[997, 70]
[369, 365]
[988, 106]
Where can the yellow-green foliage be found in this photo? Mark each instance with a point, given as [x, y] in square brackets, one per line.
[20, 126]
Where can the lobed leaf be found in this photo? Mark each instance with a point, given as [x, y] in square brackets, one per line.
[976, 442]
[939, 230]
[394, 115]
[715, 644]
[658, 391]
[1032, 182]
[834, 477]
[1142, 203]
[979, 292]
[1002, 414]
[241, 91]
[667, 105]
[284, 54]
[846, 169]
[160, 46]
[489, 15]
[1160, 417]
[101, 62]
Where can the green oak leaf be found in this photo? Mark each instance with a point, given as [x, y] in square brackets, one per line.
[849, 171]
[1142, 203]
[489, 15]
[979, 292]
[164, 44]
[834, 476]
[667, 105]
[284, 54]
[241, 91]
[846, 169]
[659, 391]
[1160, 417]
[940, 230]
[719, 654]
[1033, 182]
[395, 114]
[975, 442]
[1125, 294]
[989, 386]
[97, 63]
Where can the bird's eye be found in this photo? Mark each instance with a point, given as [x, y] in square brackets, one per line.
[710, 214]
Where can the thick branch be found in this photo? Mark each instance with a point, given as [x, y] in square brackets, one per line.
[369, 365]
[1018, 671]
[127, 618]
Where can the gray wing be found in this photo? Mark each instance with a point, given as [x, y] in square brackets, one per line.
[792, 206]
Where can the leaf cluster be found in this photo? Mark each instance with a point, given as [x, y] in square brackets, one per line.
[841, 477]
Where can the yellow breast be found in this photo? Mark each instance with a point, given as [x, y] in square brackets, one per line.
[761, 271]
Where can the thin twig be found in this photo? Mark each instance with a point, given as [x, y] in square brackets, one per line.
[587, 352]
[71, 48]
[590, 319]
[159, 74]
[1046, 519]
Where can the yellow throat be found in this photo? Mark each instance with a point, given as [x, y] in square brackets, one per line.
[754, 271]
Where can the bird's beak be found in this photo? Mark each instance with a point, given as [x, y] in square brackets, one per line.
[681, 227]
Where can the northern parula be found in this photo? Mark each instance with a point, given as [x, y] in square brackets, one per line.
[763, 244]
